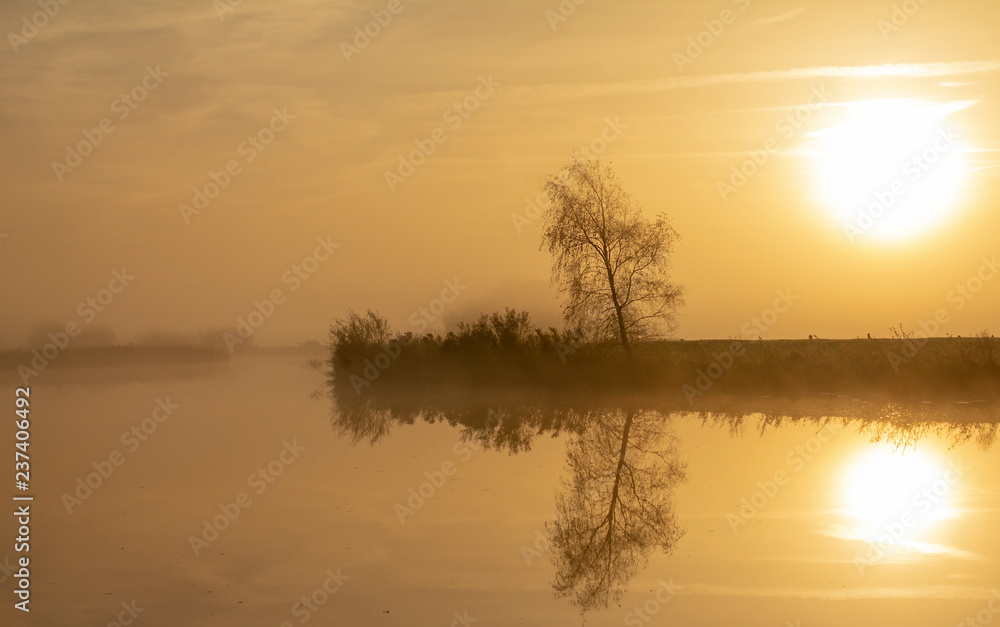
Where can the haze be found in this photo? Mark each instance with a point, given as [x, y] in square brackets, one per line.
[546, 88]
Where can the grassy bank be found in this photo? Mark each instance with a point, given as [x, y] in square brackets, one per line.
[506, 352]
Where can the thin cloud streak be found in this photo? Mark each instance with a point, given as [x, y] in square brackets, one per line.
[908, 70]
[775, 19]
[912, 592]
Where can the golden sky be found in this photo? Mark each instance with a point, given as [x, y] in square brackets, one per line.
[679, 116]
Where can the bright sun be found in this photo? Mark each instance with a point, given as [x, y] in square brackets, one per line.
[897, 494]
[891, 169]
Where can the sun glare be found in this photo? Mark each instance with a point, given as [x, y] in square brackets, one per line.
[897, 494]
[890, 169]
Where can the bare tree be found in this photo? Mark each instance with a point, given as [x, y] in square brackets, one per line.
[610, 260]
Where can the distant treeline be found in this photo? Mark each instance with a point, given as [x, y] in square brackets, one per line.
[103, 336]
[507, 350]
[53, 346]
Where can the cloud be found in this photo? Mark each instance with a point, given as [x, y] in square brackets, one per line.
[908, 592]
[554, 93]
[903, 70]
[774, 19]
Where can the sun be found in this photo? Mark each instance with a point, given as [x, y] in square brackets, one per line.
[899, 495]
[890, 170]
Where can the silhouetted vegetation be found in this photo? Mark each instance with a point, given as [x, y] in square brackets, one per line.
[507, 350]
[497, 348]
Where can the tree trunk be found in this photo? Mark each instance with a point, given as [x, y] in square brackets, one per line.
[618, 311]
[621, 330]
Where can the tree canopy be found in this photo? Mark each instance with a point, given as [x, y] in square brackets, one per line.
[609, 259]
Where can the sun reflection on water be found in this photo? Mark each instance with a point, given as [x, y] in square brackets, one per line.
[899, 498]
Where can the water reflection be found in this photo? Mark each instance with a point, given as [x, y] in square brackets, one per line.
[612, 510]
[883, 486]
[895, 501]
[897, 423]
[511, 420]
[615, 506]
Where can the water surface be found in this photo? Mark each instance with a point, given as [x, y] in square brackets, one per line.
[419, 518]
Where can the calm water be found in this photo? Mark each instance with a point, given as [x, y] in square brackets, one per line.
[434, 521]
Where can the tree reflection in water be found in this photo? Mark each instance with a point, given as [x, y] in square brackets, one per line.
[616, 506]
[616, 503]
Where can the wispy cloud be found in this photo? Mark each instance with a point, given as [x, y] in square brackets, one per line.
[575, 91]
[908, 592]
[774, 19]
[902, 70]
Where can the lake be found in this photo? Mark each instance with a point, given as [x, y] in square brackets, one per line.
[236, 495]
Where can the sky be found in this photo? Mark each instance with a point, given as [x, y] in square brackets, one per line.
[302, 129]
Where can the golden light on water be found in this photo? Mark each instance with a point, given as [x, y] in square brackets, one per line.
[896, 497]
[891, 170]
